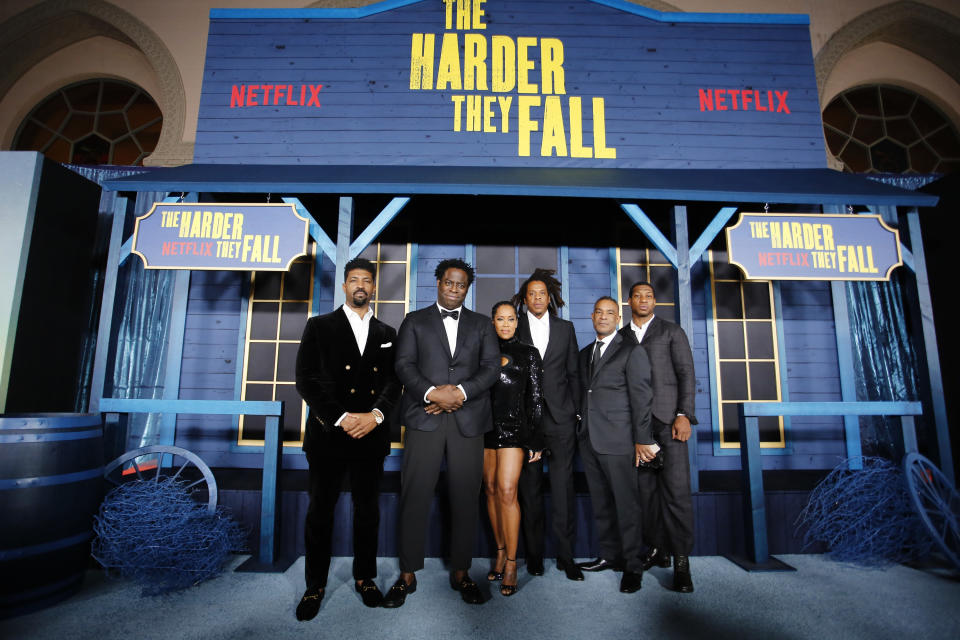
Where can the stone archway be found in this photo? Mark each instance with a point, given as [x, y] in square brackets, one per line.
[930, 33]
[36, 33]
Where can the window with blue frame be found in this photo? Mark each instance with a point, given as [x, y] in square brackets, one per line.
[501, 269]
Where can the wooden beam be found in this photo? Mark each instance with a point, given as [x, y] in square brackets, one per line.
[650, 230]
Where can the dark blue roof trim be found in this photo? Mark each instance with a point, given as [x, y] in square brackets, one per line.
[622, 5]
[789, 186]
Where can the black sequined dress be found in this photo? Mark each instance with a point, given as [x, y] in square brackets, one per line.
[517, 398]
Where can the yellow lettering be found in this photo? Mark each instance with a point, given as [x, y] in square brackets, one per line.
[421, 60]
[207, 223]
[247, 247]
[488, 126]
[828, 237]
[775, 236]
[477, 15]
[457, 106]
[554, 137]
[551, 66]
[577, 150]
[448, 72]
[473, 113]
[474, 62]
[237, 226]
[185, 225]
[525, 125]
[503, 59]
[524, 65]
[600, 132]
[196, 224]
[504, 102]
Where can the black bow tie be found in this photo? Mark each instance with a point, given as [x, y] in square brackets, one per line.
[449, 314]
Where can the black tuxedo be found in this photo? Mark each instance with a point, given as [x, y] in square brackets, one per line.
[615, 409]
[423, 361]
[561, 395]
[665, 494]
[334, 379]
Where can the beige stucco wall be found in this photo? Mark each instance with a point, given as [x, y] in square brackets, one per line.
[171, 37]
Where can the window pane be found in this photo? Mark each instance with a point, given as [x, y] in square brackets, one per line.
[491, 290]
[253, 427]
[628, 254]
[495, 260]
[266, 285]
[763, 381]
[292, 411]
[760, 340]
[393, 252]
[263, 321]
[770, 429]
[296, 282]
[733, 381]
[393, 282]
[258, 392]
[731, 426]
[722, 270]
[658, 258]
[730, 340]
[261, 361]
[532, 258]
[727, 300]
[756, 299]
[628, 275]
[287, 361]
[293, 320]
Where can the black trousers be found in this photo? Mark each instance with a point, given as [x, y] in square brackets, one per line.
[560, 439]
[326, 476]
[422, 457]
[665, 496]
[616, 505]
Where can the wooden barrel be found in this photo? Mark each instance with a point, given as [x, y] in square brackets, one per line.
[51, 486]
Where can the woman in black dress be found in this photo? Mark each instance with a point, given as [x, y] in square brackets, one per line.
[517, 407]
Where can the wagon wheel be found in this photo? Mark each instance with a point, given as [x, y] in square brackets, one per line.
[937, 502]
[204, 488]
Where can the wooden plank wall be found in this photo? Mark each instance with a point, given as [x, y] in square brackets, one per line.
[650, 74]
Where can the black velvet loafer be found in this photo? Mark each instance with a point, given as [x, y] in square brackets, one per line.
[309, 604]
[398, 593]
[468, 589]
[630, 582]
[369, 593]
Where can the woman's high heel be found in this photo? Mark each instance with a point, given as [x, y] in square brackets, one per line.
[510, 589]
[495, 575]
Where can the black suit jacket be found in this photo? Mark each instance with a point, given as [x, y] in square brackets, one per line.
[424, 360]
[560, 368]
[671, 363]
[334, 378]
[615, 400]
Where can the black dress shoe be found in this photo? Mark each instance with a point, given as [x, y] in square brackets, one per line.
[468, 589]
[309, 604]
[398, 593]
[630, 582]
[600, 565]
[571, 569]
[535, 566]
[682, 581]
[655, 557]
[369, 593]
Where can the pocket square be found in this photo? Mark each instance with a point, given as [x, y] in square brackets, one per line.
[386, 344]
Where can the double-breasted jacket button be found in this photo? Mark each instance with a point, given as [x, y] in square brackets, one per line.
[372, 392]
[347, 367]
[374, 369]
[353, 390]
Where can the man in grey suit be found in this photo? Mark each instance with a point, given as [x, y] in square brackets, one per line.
[665, 493]
[539, 300]
[447, 358]
[614, 437]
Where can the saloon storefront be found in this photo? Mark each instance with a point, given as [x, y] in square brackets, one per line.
[608, 141]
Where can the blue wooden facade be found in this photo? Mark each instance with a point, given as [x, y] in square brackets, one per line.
[680, 173]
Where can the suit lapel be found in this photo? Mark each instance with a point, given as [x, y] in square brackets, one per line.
[345, 334]
[653, 329]
[523, 328]
[608, 353]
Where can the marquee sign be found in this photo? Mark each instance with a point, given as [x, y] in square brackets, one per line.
[536, 83]
[813, 246]
[224, 236]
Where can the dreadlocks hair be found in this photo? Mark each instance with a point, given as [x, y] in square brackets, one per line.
[553, 289]
[454, 263]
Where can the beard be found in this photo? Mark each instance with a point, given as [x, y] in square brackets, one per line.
[359, 298]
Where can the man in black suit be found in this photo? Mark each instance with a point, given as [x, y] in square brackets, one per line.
[538, 301]
[345, 372]
[665, 493]
[448, 357]
[615, 426]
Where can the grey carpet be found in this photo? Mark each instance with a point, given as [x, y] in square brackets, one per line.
[822, 599]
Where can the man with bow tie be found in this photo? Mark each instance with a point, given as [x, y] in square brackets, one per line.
[448, 357]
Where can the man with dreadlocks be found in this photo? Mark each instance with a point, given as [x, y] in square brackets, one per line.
[538, 301]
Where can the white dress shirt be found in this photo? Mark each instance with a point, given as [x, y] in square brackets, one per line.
[450, 326]
[540, 332]
[361, 329]
[640, 331]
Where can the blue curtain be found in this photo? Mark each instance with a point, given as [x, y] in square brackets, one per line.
[885, 360]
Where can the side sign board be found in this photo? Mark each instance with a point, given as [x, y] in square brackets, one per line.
[221, 236]
[813, 246]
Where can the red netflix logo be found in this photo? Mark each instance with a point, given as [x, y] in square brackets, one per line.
[265, 95]
[743, 100]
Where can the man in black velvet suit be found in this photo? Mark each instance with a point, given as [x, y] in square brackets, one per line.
[448, 357]
[345, 372]
[665, 493]
[615, 427]
[538, 301]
